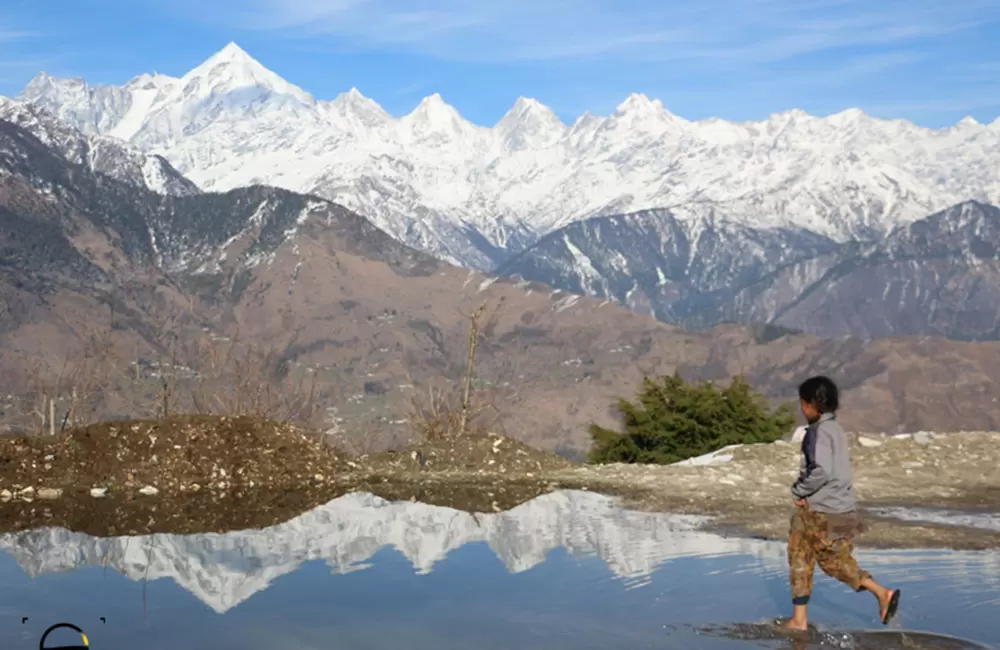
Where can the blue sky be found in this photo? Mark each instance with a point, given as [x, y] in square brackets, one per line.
[929, 61]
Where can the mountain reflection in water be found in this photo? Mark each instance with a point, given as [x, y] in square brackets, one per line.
[578, 554]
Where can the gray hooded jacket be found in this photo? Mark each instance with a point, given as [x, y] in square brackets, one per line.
[825, 476]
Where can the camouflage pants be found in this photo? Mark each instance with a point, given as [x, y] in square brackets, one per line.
[808, 543]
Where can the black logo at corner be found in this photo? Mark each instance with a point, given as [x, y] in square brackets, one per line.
[84, 643]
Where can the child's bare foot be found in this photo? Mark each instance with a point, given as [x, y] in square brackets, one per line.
[796, 625]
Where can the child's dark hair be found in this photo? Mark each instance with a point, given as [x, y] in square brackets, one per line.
[821, 392]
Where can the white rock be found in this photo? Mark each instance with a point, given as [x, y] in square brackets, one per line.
[149, 490]
[98, 493]
[718, 457]
[869, 442]
[6, 495]
[27, 492]
[922, 438]
[49, 493]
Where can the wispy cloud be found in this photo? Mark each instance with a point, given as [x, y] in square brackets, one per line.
[967, 105]
[7, 36]
[14, 63]
[723, 32]
[410, 89]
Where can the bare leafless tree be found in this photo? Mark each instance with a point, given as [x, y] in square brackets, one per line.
[442, 410]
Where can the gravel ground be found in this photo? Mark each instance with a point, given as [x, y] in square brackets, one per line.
[187, 453]
[750, 493]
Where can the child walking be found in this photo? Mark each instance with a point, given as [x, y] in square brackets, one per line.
[825, 519]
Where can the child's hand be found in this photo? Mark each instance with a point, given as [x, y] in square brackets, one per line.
[800, 503]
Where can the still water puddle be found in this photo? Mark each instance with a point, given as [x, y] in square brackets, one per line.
[565, 570]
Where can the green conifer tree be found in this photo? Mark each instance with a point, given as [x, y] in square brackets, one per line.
[672, 420]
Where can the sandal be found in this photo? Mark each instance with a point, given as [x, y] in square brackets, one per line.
[890, 611]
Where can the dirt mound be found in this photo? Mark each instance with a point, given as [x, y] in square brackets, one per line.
[187, 453]
[473, 455]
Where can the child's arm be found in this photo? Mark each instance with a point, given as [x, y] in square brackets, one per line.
[819, 459]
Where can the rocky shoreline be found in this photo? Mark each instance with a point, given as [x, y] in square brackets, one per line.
[201, 474]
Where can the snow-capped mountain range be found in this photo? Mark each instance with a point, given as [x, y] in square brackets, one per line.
[937, 276]
[224, 570]
[475, 195]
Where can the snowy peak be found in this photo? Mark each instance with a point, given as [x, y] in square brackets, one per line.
[640, 115]
[91, 109]
[232, 69]
[232, 53]
[640, 104]
[157, 82]
[43, 84]
[434, 119]
[851, 116]
[529, 124]
[640, 107]
[526, 108]
[968, 122]
[435, 110]
[356, 112]
[791, 118]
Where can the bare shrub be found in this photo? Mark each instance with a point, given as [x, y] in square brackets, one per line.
[455, 411]
[47, 396]
[438, 414]
[359, 443]
[237, 379]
